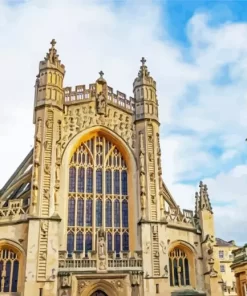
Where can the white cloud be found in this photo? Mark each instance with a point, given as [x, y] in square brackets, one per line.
[93, 36]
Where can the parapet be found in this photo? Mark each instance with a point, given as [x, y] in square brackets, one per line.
[81, 93]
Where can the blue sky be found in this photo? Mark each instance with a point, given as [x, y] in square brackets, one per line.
[195, 50]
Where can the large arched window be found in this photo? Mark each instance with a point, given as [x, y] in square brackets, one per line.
[179, 268]
[98, 197]
[9, 269]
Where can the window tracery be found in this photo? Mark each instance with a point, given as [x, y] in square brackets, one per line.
[9, 270]
[98, 197]
[179, 268]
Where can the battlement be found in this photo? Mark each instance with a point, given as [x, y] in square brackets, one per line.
[82, 93]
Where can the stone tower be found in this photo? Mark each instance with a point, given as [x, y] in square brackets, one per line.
[205, 217]
[149, 154]
[48, 112]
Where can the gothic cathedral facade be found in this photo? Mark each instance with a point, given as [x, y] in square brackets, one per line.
[87, 212]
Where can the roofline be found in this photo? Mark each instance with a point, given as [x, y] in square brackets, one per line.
[16, 172]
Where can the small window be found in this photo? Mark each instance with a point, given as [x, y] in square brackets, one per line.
[221, 254]
[157, 289]
[222, 268]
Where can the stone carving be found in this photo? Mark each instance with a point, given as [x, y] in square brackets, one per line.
[147, 247]
[101, 104]
[102, 249]
[44, 226]
[49, 123]
[37, 151]
[58, 164]
[82, 285]
[142, 174]
[166, 273]
[43, 255]
[135, 278]
[101, 244]
[47, 145]
[163, 247]
[35, 185]
[47, 169]
[158, 144]
[118, 284]
[153, 201]
[151, 177]
[46, 194]
[84, 117]
[65, 280]
[161, 201]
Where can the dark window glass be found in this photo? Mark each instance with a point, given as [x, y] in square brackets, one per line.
[72, 177]
[99, 212]
[116, 213]
[124, 183]
[125, 213]
[71, 212]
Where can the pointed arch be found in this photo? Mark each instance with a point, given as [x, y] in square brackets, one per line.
[100, 285]
[182, 268]
[125, 184]
[12, 258]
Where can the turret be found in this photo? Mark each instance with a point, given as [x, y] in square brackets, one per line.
[144, 88]
[149, 155]
[204, 216]
[49, 82]
[48, 113]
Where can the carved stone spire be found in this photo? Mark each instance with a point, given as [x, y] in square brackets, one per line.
[51, 59]
[204, 201]
[196, 204]
[143, 69]
[144, 77]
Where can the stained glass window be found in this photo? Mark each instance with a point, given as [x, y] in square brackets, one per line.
[98, 187]
[108, 213]
[70, 242]
[81, 179]
[99, 181]
[99, 212]
[125, 217]
[88, 241]
[89, 180]
[109, 241]
[179, 268]
[124, 183]
[71, 212]
[79, 241]
[89, 212]
[117, 242]
[108, 182]
[116, 213]
[72, 177]
[116, 182]
[9, 265]
[125, 241]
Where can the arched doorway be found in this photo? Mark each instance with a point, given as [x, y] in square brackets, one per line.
[99, 293]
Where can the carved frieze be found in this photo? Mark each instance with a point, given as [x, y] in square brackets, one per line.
[147, 247]
[163, 247]
[83, 117]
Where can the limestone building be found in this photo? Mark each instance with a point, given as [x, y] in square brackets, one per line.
[224, 250]
[239, 267]
[87, 212]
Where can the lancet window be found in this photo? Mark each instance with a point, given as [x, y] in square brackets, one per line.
[9, 269]
[98, 197]
[179, 268]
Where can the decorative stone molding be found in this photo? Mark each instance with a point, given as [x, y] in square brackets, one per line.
[82, 117]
